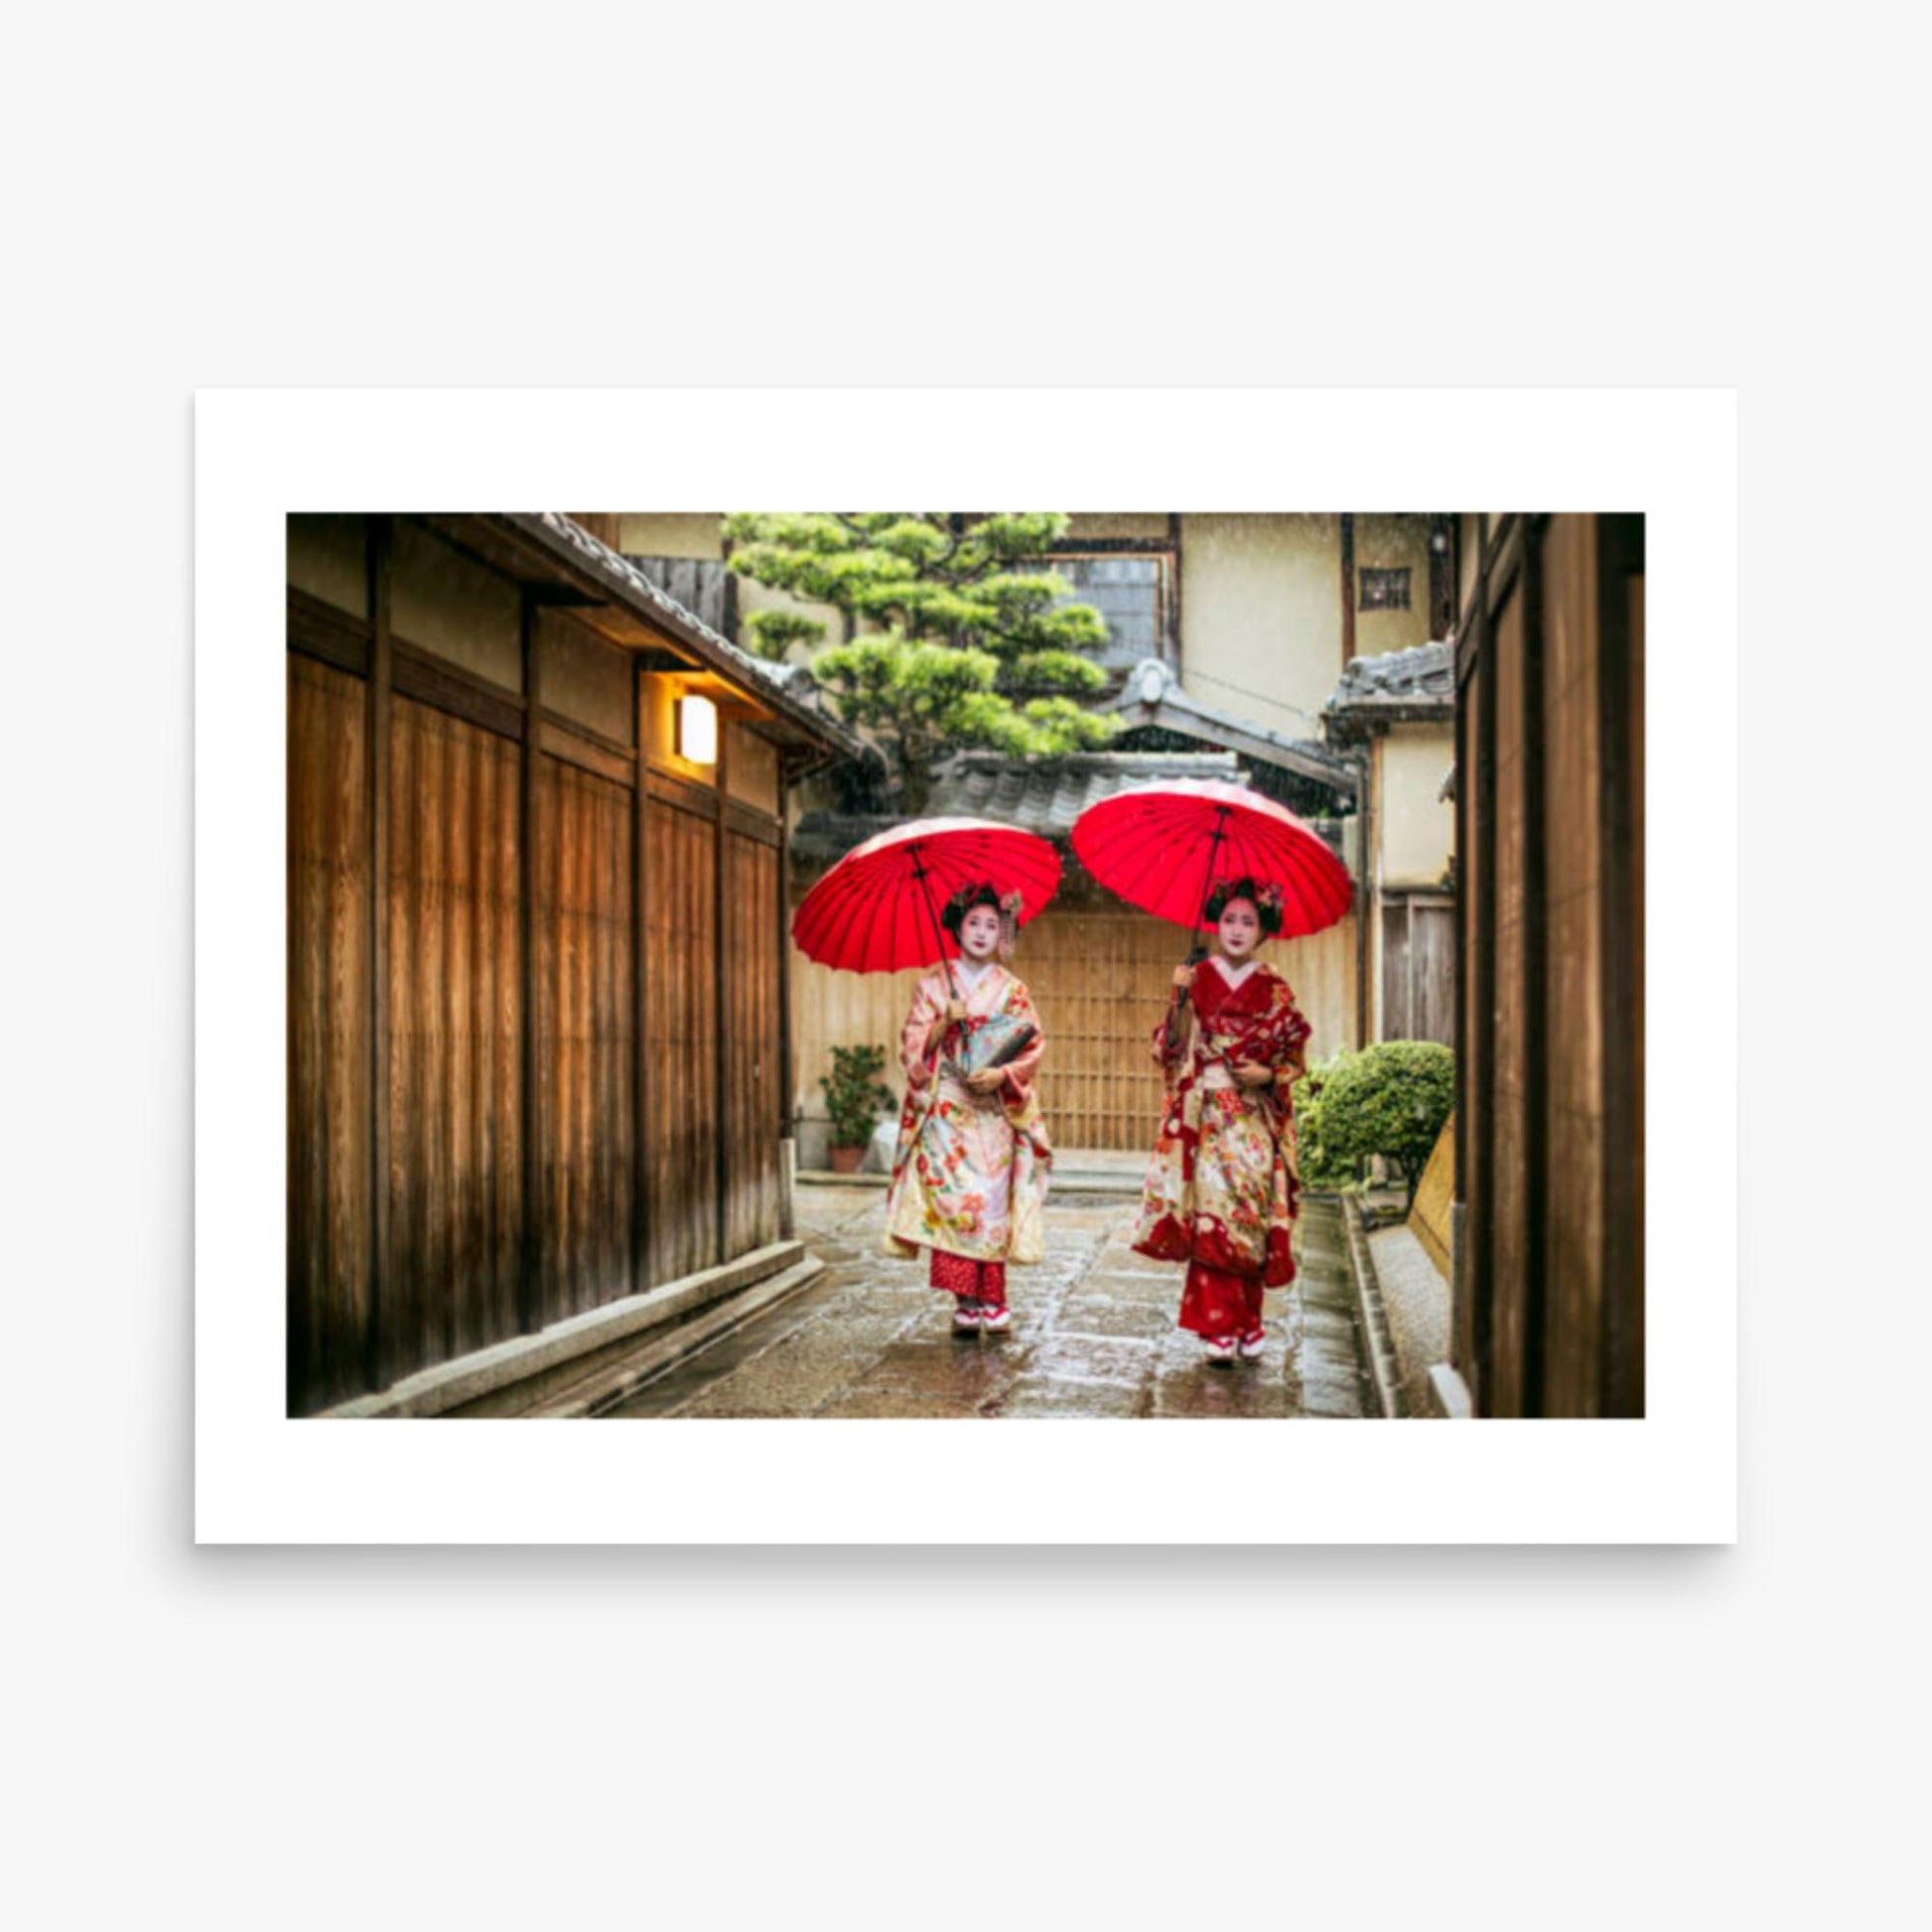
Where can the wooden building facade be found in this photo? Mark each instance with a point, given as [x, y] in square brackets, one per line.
[1549, 1292]
[538, 1045]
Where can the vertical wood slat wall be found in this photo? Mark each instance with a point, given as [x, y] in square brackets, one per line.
[1549, 1319]
[1475, 790]
[1100, 980]
[1509, 1117]
[1419, 968]
[754, 1038]
[455, 1015]
[584, 1020]
[328, 1038]
[372, 1298]
[1572, 1112]
[680, 926]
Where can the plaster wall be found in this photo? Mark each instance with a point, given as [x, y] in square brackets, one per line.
[1392, 542]
[1415, 829]
[1261, 616]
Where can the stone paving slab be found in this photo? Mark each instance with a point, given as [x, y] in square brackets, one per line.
[1041, 1398]
[1113, 1315]
[1093, 1335]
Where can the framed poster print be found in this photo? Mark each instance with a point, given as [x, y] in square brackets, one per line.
[524, 1075]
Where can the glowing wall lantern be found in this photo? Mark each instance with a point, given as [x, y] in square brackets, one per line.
[697, 729]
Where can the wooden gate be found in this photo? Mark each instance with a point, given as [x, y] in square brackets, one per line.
[1419, 967]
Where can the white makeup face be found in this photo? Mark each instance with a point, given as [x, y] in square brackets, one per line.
[979, 933]
[1240, 929]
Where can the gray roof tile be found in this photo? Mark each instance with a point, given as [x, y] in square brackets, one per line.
[1424, 674]
[1040, 796]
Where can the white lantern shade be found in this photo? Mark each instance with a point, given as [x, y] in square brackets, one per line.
[697, 729]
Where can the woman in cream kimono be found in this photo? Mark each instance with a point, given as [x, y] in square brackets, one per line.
[1223, 1188]
[969, 1178]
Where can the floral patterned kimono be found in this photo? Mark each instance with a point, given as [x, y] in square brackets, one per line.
[969, 1178]
[1223, 1186]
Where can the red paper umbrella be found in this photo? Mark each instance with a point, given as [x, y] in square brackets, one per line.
[1161, 847]
[878, 909]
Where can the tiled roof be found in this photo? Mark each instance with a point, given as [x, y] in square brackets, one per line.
[1153, 694]
[1047, 795]
[614, 564]
[1041, 795]
[793, 694]
[1422, 675]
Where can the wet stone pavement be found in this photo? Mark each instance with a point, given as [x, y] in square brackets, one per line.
[1093, 1334]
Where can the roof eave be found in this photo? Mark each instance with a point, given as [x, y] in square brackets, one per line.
[580, 558]
[1351, 720]
[1175, 711]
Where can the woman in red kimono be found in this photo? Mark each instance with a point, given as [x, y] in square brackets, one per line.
[969, 1178]
[1223, 1187]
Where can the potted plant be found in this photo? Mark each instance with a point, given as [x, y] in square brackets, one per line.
[856, 1102]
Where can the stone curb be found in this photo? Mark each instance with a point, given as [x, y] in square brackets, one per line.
[509, 1377]
[1371, 1315]
[1449, 1395]
[610, 1384]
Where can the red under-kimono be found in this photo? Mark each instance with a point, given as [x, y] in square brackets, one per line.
[1223, 1186]
[969, 1177]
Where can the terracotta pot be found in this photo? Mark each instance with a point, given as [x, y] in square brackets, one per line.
[846, 1160]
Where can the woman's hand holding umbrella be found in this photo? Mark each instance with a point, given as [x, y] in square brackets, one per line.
[878, 909]
[1160, 847]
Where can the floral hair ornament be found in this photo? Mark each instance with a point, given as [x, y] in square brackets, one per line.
[1265, 899]
[1009, 910]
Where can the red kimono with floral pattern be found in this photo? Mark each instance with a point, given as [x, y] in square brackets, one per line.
[1223, 1186]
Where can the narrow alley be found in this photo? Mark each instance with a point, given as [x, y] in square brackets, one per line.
[1093, 1334]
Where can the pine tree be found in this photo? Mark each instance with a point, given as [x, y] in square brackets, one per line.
[969, 644]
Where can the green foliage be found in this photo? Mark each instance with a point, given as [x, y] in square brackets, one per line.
[1391, 1099]
[854, 1098]
[1051, 674]
[1320, 1166]
[773, 633]
[967, 646]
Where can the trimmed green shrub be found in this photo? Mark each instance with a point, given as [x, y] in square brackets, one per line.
[854, 1099]
[1391, 1099]
[1320, 1166]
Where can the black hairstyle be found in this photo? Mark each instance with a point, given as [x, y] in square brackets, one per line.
[1266, 901]
[963, 901]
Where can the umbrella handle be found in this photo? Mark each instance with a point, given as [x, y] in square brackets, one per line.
[1179, 1004]
[939, 938]
[1198, 950]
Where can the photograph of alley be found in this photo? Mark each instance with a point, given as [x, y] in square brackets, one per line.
[1067, 965]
